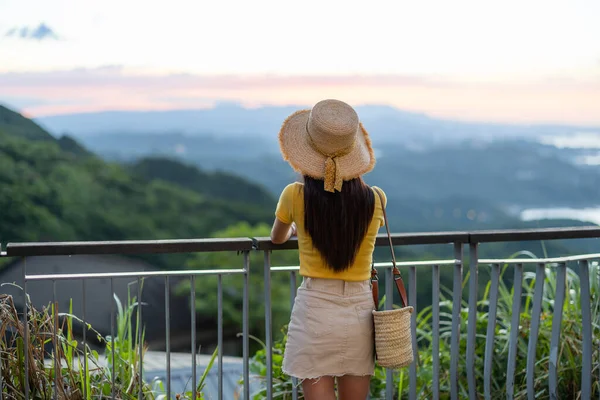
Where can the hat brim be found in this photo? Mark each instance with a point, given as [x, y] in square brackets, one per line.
[297, 151]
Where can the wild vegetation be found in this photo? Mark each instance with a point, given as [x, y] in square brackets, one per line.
[61, 368]
[569, 352]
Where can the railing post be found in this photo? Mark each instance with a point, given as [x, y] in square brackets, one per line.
[220, 334]
[412, 300]
[26, 329]
[57, 369]
[514, 331]
[491, 332]
[293, 289]
[140, 343]
[167, 334]
[559, 302]
[472, 320]
[193, 338]
[536, 313]
[456, 307]
[389, 304]
[586, 322]
[245, 327]
[1, 356]
[435, 303]
[268, 324]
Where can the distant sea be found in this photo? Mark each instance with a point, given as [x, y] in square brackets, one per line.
[587, 142]
[591, 215]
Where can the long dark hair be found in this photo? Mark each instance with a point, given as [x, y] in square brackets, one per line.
[338, 222]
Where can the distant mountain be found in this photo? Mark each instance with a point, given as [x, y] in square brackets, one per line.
[54, 190]
[232, 120]
[499, 174]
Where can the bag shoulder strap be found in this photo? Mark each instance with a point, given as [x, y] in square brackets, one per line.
[397, 276]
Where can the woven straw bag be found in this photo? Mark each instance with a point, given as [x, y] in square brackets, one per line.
[393, 333]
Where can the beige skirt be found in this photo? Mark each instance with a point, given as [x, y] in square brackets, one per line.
[331, 330]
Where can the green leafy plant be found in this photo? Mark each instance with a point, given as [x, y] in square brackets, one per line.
[54, 355]
[283, 385]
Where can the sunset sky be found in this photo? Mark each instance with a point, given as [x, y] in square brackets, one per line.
[508, 61]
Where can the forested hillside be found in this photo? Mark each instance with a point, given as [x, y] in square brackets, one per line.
[218, 185]
[54, 190]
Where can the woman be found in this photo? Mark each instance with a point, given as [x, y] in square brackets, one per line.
[336, 217]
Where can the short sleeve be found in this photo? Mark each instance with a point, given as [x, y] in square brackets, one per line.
[379, 190]
[285, 205]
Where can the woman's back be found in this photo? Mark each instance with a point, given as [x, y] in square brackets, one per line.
[334, 224]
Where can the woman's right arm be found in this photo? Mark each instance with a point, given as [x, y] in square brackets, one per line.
[283, 226]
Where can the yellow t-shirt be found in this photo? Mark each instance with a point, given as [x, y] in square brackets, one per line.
[290, 208]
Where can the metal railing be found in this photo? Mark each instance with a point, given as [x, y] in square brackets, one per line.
[457, 239]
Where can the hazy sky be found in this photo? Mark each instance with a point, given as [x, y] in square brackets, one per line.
[525, 60]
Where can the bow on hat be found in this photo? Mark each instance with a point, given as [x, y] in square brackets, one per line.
[333, 177]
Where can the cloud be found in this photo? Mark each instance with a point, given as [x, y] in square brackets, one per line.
[574, 101]
[41, 32]
[116, 76]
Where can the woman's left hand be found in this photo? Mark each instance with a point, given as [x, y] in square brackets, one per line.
[294, 230]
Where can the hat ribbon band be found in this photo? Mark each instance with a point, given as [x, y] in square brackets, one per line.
[333, 177]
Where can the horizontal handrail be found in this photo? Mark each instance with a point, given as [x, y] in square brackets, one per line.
[264, 243]
[398, 239]
[481, 236]
[519, 235]
[129, 247]
[553, 260]
[142, 274]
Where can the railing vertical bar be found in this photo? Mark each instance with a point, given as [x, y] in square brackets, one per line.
[1, 367]
[26, 328]
[85, 356]
[220, 333]
[536, 312]
[586, 322]
[435, 303]
[456, 306]
[193, 334]
[514, 331]
[54, 340]
[268, 324]
[112, 339]
[293, 288]
[168, 333]
[389, 304]
[491, 332]
[245, 323]
[1, 363]
[559, 302]
[412, 300]
[472, 321]
[140, 344]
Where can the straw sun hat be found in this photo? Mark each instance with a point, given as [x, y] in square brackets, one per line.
[327, 143]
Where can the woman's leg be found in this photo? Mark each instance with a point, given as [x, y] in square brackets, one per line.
[319, 389]
[353, 387]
